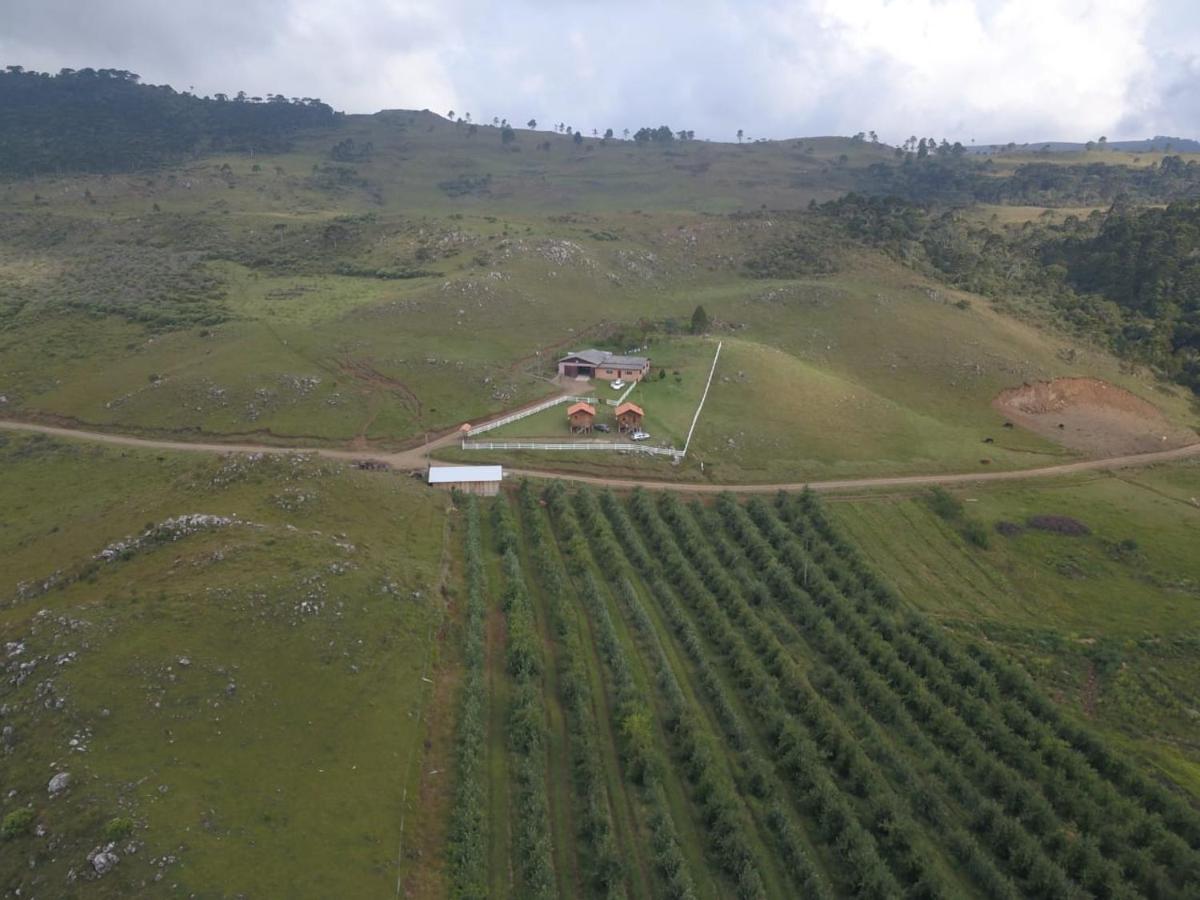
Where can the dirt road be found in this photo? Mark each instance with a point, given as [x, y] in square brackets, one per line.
[417, 457]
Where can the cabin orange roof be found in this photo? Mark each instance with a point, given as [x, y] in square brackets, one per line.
[630, 407]
[581, 408]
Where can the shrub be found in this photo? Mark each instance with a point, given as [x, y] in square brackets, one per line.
[976, 534]
[944, 504]
[118, 828]
[1058, 525]
[1009, 529]
[16, 823]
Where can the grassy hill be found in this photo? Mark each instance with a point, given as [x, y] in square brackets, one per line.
[234, 697]
[270, 674]
[296, 297]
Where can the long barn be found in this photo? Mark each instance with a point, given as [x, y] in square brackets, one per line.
[481, 480]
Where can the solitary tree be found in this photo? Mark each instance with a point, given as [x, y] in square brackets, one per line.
[507, 135]
[625, 132]
[699, 320]
[740, 133]
[578, 139]
[532, 123]
[608, 133]
[450, 115]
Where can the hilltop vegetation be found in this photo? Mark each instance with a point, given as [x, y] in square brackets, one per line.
[104, 120]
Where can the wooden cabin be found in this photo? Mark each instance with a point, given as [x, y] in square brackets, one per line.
[629, 417]
[581, 416]
[481, 480]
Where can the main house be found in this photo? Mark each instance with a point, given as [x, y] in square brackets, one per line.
[605, 365]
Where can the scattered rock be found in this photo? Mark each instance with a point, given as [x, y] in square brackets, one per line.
[103, 860]
[59, 783]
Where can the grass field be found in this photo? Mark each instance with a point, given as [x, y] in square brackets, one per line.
[241, 698]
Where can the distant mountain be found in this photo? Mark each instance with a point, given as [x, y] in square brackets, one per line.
[1157, 144]
[103, 120]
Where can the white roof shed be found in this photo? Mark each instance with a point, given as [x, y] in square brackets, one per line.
[461, 474]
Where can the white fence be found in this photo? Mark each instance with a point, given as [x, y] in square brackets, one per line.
[586, 445]
[625, 394]
[528, 411]
[703, 397]
[575, 445]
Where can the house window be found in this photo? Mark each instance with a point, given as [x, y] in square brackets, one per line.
[608, 371]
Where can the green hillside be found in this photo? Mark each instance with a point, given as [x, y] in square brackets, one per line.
[280, 674]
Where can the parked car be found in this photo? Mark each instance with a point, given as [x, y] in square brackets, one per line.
[640, 436]
[617, 385]
[602, 427]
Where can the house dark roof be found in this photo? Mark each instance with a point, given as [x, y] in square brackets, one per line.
[626, 362]
[604, 358]
[591, 357]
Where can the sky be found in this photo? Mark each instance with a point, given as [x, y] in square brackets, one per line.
[988, 71]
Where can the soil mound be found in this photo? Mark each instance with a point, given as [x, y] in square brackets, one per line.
[1092, 416]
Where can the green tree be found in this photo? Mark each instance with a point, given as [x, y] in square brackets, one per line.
[739, 135]
[578, 138]
[507, 135]
[532, 123]
[699, 320]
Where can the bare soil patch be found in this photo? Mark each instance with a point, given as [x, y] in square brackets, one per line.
[1092, 416]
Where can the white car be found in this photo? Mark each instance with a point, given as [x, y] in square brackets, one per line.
[617, 385]
[640, 436]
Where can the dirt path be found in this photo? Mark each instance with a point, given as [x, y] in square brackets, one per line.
[416, 458]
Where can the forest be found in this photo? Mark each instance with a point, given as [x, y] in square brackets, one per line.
[106, 120]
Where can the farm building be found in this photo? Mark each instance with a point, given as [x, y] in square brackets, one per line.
[629, 417]
[482, 480]
[581, 416]
[604, 365]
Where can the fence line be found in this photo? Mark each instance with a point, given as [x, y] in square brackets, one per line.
[528, 411]
[621, 399]
[577, 445]
[586, 445]
[703, 397]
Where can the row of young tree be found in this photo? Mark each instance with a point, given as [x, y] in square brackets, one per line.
[634, 720]
[526, 726]
[615, 530]
[1161, 854]
[799, 700]
[467, 839]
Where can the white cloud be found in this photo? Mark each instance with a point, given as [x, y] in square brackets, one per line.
[984, 69]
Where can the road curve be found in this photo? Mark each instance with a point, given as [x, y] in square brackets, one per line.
[416, 458]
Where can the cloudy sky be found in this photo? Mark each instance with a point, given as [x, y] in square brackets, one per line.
[985, 70]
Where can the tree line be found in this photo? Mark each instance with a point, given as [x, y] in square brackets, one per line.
[103, 120]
